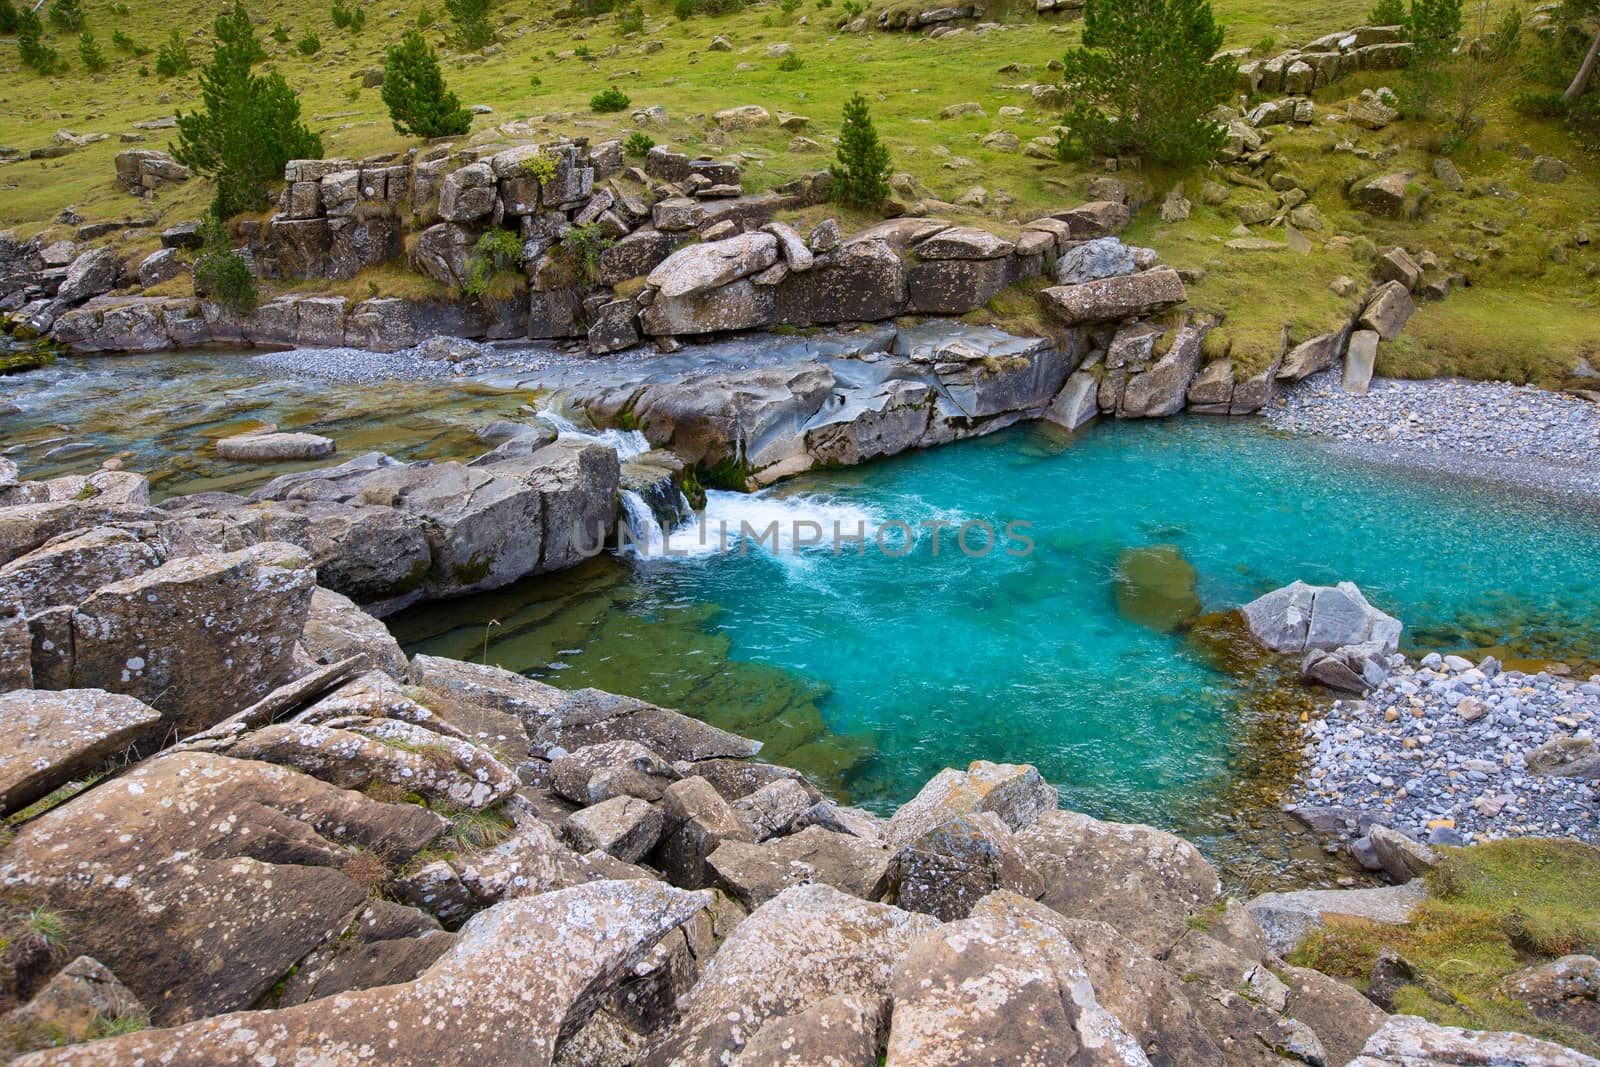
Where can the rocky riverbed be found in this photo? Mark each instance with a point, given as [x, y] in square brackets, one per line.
[1448, 751]
[1521, 435]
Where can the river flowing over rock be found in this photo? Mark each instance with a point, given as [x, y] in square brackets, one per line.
[297, 846]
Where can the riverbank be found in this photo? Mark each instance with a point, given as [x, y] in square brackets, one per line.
[1520, 436]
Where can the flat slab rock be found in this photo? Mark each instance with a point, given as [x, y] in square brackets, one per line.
[274, 447]
[54, 737]
[1287, 918]
[1407, 1041]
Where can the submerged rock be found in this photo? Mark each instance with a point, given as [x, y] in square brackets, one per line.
[1156, 588]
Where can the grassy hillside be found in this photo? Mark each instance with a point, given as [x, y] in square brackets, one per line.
[535, 75]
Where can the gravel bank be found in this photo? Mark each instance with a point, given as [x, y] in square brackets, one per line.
[1443, 744]
[1518, 435]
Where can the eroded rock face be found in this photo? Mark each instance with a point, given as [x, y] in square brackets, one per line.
[518, 977]
[809, 943]
[54, 737]
[233, 867]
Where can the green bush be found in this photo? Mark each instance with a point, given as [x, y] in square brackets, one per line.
[607, 100]
[8, 17]
[791, 62]
[280, 33]
[1388, 13]
[221, 274]
[471, 17]
[853, 9]
[250, 125]
[425, 18]
[638, 144]
[540, 168]
[31, 49]
[414, 91]
[1542, 104]
[94, 59]
[630, 19]
[310, 44]
[1145, 79]
[128, 44]
[172, 58]
[67, 15]
[348, 18]
[682, 8]
[861, 176]
[789, 7]
[497, 253]
[584, 245]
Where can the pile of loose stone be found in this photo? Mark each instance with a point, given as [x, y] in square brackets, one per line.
[307, 848]
[1481, 418]
[1451, 752]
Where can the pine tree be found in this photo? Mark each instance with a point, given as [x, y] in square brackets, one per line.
[414, 90]
[1145, 79]
[8, 17]
[860, 178]
[1434, 27]
[250, 126]
[472, 23]
[31, 49]
[94, 60]
[67, 15]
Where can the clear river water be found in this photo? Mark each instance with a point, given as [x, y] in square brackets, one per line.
[873, 671]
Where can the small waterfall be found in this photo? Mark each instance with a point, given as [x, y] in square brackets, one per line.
[627, 443]
[639, 534]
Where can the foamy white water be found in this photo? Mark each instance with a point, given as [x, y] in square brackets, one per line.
[627, 443]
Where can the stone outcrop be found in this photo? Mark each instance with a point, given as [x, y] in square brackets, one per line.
[53, 737]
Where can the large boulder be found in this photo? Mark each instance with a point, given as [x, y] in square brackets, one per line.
[198, 638]
[1110, 299]
[232, 867]
[808, 943]
[337, 629]
[1156, 587]
[713, 264]
[1288, 918]
[951, 867]
[1016, 793]
[91, 274]
[754, 874]
[1299, 617]
[1565, 991]
[1103, 257]
[54, 737]
[70, 568]
[862, 281]
[518, 978]
[1143, 881]
[1161, 389]
[1036, 1005]
[1388, 310]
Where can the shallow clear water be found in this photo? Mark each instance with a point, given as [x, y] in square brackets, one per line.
[875, 672]
[162, 414]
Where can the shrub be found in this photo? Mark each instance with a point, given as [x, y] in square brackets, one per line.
[348, 18]
[172, 58]
[471, 17]
[612, 99]
[250, 126]
[630, 19]
[853, 9]
[1265, 46]
[791, 62]
[682, 8]
[823, 5]
[67, 15]
[1388, 13]
[94, 60]
[128, 44]
[540, 168]
[535, 83]
[8, 17]
[498, 252]
[222, 274]
[1481, 71]
[31, 49]
[280, 33]
[414, 91]
[310, 44]
[638, 144]
[584, 246]
[861, 176]
[1145, 79]
[581, 51]
[425, 18]
[1541, 104]
[789, 7]
[721, 7]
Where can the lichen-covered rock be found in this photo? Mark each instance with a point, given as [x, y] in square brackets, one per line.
[1110, 299]
[842, 1031]
[1014, 792]
[54, 737]
[518, 977]
[1036, 1007]
[232, 867]
[624, 826]
[754, 874]
[388, 943]
[950, 868]
[698, 821]
[1143, 881]
[200, 637]
[713, 264]
[772, 809]
[572, 772]
[1406, 1040]
[81, 996]
[71, 568]
[337, 629]
[1565, 991]
[809, 943]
